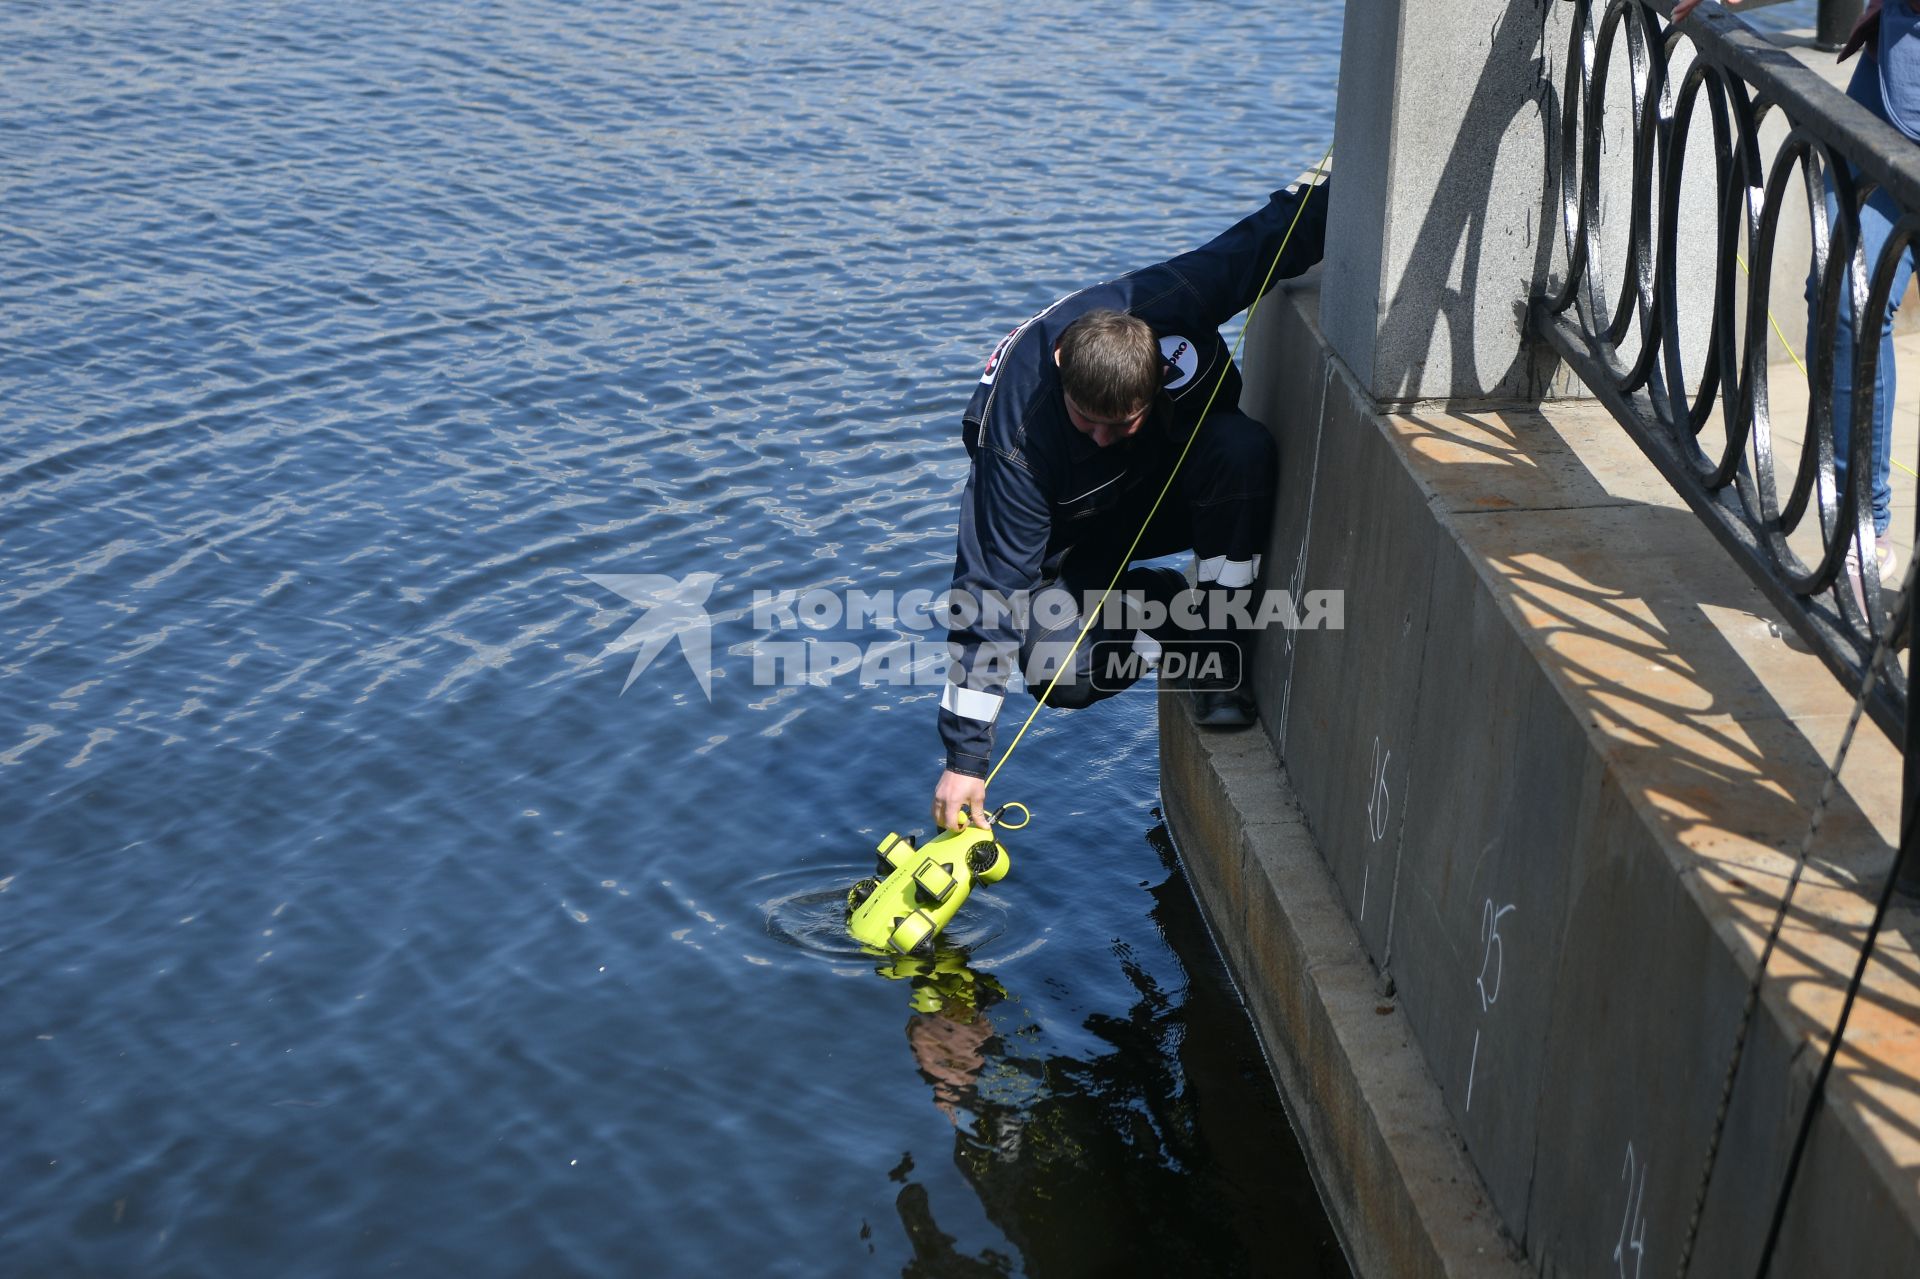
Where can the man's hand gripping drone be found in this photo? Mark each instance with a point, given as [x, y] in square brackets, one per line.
[915, 892]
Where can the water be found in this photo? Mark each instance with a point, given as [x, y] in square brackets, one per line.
[352, 919]
[1788, 15]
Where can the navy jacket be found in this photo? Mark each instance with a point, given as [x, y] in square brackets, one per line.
[1035, 479]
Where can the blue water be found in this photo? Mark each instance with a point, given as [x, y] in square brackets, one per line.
[353, 919]
[1789, 15]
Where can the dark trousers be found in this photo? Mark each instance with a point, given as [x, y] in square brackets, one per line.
[1220, 507]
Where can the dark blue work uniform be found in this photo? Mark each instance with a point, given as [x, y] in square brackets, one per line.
[1039, 488]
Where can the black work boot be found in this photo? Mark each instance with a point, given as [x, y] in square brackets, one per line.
[1223, 708]
[1221, 689]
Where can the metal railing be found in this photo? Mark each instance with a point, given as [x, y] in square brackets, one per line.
[1716, 73]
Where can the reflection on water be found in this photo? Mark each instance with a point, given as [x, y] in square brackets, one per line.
[362, 909]
[1163, 1153]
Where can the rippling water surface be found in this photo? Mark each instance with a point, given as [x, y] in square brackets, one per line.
[352, 919]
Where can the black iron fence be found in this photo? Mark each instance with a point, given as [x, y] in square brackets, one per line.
[1623, 336]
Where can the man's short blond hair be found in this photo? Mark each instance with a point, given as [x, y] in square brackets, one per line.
[1110, 364]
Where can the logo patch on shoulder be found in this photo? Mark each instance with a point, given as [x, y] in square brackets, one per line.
[1182, 361]
[993, 361]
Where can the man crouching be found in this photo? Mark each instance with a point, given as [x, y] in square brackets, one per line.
[1080, 417]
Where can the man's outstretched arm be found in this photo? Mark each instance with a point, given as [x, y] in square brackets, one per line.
[1004, 523]
[1225, 274]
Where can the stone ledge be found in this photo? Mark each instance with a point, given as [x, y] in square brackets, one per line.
[1390, 1163]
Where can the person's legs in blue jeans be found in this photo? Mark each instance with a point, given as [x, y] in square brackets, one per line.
[1876, 225]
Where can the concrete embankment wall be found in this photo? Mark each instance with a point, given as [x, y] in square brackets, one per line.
[1550, 777]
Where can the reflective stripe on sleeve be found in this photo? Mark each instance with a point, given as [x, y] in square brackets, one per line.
[971, 703]
[1218, 570]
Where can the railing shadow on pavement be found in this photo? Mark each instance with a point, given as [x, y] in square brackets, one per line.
[1628, 349]
[1696, 736]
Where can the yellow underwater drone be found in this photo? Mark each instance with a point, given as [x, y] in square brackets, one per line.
[915, 892]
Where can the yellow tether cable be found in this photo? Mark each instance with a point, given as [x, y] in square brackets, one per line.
[1802, 367]
[1094, 614]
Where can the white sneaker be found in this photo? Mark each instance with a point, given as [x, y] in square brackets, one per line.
[1851, 569]
[1885, 555]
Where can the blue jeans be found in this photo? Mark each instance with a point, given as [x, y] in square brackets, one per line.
[1876, 225]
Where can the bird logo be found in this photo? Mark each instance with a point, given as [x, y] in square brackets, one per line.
[673, 609]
